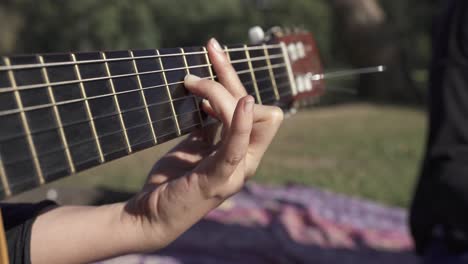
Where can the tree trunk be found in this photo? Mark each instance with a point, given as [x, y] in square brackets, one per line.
[10, 24]
[368, 39]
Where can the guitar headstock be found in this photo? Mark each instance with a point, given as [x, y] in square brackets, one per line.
[305, 63]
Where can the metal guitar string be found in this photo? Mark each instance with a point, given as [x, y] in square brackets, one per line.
[313, 77]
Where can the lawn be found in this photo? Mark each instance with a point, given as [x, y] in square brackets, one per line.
[371, 151]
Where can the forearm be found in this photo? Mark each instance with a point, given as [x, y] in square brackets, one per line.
[187, 183]
[79, 234]
[82, 234]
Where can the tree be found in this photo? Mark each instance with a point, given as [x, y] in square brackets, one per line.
[370, 39]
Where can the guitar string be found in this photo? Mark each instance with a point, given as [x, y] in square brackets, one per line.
[188, 130]
[72, 63]
[63, 126]
[37, 107]
[126, 129]
[131, 110]
[266, 101]
[95, 158]
[44, 85]
[174, 132]
[134, 109]
[245, 60]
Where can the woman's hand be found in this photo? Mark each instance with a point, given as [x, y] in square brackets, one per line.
[189, 181]
[198, 174]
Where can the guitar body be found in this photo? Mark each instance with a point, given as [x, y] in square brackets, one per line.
[3, 242]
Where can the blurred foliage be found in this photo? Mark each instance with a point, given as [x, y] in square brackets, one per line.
[412, 22]
[28, 26]
[370, 141]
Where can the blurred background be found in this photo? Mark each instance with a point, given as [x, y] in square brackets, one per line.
[355, 142]
[364, 139]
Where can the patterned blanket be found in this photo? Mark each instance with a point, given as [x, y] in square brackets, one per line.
[291, 224]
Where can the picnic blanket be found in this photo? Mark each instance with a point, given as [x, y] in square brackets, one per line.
[291, 224]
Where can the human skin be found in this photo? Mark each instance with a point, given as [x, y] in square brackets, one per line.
[193, 178]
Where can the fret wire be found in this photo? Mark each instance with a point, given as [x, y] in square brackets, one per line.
[227, 53]
[188, 72]
[282, 84]
[4, 179]
[212, 76]
[63, 138]
[168, 91]
[37, 86]
[117, 105]
[96, 118]
[92, 119]
[26, 180]
[207, 58]
[32, 147]
[270, 70]
[112, 152]
[288, 66]
[273, 99]
[88, 110]
[56, 64]
[126, 129]
[103, 136]
[270, 46]
[270, 100]
[266, 78]
[279, 65]
[252, 74]
[285, 93]
[279, 85]
[140, 86]
[32, 108]
[133, 127]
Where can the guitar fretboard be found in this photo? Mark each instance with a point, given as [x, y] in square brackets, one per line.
[63, 113]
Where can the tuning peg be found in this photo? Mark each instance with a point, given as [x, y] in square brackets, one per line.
[275, 31]
[256, 35]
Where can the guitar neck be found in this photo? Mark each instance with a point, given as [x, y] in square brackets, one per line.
[63, 113]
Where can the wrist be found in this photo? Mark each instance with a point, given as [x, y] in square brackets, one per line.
[135, 230]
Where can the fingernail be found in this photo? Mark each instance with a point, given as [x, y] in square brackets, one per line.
[216, 45]
[248, 105]
[191, 79]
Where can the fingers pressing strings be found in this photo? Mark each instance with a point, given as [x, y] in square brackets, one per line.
[232, 151]
[226, 73]
[220, 99]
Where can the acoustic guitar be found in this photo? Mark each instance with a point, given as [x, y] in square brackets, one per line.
[64, 113]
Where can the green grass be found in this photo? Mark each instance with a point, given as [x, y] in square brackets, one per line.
[370, 151]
